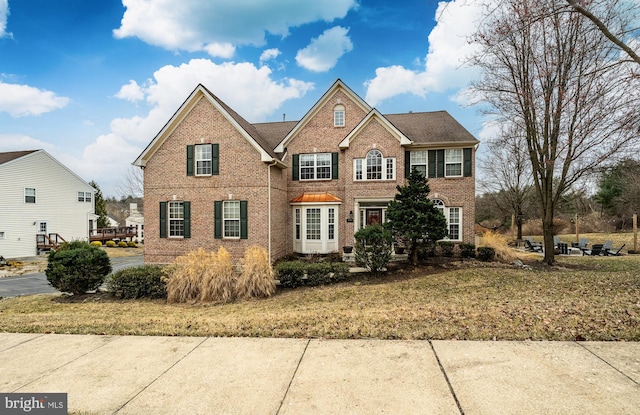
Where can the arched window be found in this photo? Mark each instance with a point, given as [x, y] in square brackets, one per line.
[338, 116]
[454, 219]
[376, 167]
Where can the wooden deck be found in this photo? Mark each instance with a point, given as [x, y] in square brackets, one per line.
[48, 242]
[118, 233]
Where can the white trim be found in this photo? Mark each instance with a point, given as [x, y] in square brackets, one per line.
[374, 113]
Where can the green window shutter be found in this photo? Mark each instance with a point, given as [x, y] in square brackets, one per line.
[217, 219]
[215, 159]
[190, 160]
[163, 219]
[467, 161]
[440, 162]
[244, 219]
[407, 164]
[186, 210]
[432, 163]
[334, 166]
[295, 168]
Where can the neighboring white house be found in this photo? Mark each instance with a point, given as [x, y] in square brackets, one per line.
[41, 196]
[136, 219]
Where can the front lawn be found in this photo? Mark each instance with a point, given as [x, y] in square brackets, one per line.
[590, 298]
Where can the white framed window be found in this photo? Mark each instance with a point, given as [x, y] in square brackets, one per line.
[374, 167]
[313, 224]
[338, 116]
[298, 225]
[418, 160]
[29, 195]
[204, 160]
[332, 224]
[231, 218]
[454, 219]
[453, 162]
[176, 219]
[315, 166]
[84, 197]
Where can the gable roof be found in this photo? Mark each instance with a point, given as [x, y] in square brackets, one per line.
[7, 157]
[374, 114]
[12, 155]
[338, 85]
[431, 128]
[248, 130]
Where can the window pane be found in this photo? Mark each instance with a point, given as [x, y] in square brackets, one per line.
[390, 168]
[374, 165]
[307, 166]
[297, 223]
[453, 162]
[418, 157]
[324, 165]
[358, 168]
[176, 219]
[30, 195]
[231, 216]
[338, 118]
[313, 224]
[231, 228]
[203, 159]
[87, 196]
[80, 196]
[231, 210]
[332, 225]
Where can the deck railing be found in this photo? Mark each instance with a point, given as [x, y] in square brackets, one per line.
[112, 233]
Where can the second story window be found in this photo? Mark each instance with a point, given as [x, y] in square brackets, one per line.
[338, 116]
[315, 166]
[374, 167]
[84, 197]
[419, 161]
[203, 160]
[453, 162]
[29, 195]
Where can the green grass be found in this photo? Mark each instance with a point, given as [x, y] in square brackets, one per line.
[591, 298]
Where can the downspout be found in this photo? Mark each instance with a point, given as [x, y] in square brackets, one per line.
[273, 163]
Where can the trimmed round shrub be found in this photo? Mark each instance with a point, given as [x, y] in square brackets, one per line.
[122, 244]
[145, 281]
[132, 244]
[446, 247]
[486, 253]
[467, 250]
[77, 270]
[110, 244]
[96, 243]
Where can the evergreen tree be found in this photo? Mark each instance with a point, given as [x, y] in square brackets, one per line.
[100, 206]
[413, 218]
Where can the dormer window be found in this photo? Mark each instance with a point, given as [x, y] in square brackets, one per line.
[338, 116]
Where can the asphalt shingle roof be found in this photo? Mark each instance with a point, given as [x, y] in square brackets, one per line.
[12, 155]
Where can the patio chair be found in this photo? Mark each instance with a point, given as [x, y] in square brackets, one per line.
[531, 246]
[596, 249]
[614, 251]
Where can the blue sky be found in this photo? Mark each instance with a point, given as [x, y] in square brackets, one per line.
[92, 82]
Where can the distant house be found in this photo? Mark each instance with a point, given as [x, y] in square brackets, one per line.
[213, 179]
[136, 219]
[42, 202]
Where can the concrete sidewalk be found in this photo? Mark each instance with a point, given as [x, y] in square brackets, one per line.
[195, 375]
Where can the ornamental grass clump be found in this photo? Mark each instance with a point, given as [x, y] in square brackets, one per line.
[219, 278]
[201, 276]
[499, 243]
[257, 278]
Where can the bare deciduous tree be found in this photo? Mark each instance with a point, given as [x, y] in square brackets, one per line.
[556, 78]
[508, 173]
[132, 184]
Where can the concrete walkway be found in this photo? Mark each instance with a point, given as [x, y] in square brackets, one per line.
[195, 375]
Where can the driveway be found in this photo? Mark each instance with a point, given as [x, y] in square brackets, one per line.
[36, 283]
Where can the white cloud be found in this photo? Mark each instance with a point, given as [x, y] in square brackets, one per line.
[4, 14]
[215, 26]
[445, 61]
[131, 92]
[324, 51]
[20, 142]
[269, 54]
[23, 100]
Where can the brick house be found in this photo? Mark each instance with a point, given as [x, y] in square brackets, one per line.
[211, 178]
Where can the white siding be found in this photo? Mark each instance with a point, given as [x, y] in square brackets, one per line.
[57, 203]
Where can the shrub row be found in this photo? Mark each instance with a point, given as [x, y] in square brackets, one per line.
[145, 281]
[301, 273]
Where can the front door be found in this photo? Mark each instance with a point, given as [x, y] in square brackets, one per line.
[374, 216]
[42, 228]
